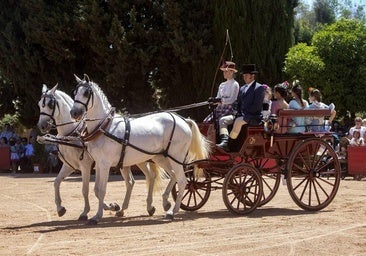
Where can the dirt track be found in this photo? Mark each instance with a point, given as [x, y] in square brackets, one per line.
[30, 225]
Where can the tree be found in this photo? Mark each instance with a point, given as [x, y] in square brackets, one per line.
[335, 63]
[324, 11]
[341, 46]
[260, 39]
[142, 53]
[303, 63]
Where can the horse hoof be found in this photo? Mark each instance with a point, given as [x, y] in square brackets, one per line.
[151, 211]
[115, 207]
[92, 222]
[83, 218]
[119, 214]
[61, 212]
[169, 216]
[167, 206]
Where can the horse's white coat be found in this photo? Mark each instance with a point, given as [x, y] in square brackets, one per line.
[61, 115]
[150, 133]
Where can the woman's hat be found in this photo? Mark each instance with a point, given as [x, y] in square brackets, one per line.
[228, 65]
[249, 69]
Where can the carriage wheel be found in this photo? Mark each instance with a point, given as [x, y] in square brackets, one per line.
[271, 177]
[242, 189]
[196, 193]
[313, 174]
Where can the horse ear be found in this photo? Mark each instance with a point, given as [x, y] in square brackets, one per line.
[77, 79]
[86, 78]
[53, 90]
[44, 88]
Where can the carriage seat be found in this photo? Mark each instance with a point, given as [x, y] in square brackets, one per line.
[284, 115]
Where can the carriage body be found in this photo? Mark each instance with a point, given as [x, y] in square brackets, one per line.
[354, 163]
[250, 176]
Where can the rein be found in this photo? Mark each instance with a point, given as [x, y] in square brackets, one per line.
[52, 104]
[189, 106]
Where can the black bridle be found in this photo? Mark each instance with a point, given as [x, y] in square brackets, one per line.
[51, 104]
[88, 93]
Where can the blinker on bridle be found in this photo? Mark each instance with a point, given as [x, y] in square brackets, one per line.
[88, 93]
[51, 104]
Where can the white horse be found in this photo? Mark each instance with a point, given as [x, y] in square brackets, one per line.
[166, 138]
[55, 109]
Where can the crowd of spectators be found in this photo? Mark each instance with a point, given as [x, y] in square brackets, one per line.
[22, 151]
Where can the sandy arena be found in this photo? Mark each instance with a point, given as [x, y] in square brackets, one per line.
[30, 224]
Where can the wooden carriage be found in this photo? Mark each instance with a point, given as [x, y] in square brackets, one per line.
[354, 164]
[250, 176]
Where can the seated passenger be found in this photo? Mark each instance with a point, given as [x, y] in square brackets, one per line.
[358, 125]
[357, 140]
[249, 106]
[297, 124]
[227, 94]
[280, 95]
[316, 124]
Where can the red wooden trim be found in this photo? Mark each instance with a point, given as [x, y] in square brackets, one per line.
[356, 159]
[5, 158]
[303, 112]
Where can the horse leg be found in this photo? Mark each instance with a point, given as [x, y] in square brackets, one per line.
[85, 177]
[150, 177]
[130, 182]
[100, 188]
[181, 180]
[64, 172]
[163, 163]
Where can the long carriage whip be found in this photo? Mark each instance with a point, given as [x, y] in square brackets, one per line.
[227, 41]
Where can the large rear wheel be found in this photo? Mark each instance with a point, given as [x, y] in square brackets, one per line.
[313, 174]
[242, 189]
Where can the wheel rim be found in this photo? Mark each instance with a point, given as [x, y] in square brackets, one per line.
[196, 192]
[313, 174]
[271, 178]
[242, 189]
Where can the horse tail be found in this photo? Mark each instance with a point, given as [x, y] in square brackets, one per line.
[160, 175]
[199, 148]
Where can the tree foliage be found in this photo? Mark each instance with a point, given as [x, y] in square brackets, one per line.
[303, 64]
[342, 48]
[145, 54]
[335, 63]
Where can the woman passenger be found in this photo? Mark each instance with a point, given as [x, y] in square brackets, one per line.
[297, 124]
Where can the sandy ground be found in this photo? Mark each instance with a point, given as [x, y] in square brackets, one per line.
[30, 226]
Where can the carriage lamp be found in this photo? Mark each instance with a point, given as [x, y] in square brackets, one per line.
[271, 124]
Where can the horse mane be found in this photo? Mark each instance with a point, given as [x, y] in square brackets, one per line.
[69, 101]
[102, 95]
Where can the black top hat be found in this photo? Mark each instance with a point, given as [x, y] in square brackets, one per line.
[249, 69]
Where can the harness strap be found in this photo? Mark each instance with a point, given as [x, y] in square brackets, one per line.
[100, 127]
[65, 160]
[124, 145]
[125, 142]
[165, 153]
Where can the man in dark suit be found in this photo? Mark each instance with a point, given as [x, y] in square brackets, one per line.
[249, 104]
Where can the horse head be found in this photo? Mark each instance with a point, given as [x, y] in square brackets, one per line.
[47, 107]
[83, 96]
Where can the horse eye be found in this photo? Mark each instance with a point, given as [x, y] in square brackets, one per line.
[51, 103]
[87, 92]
